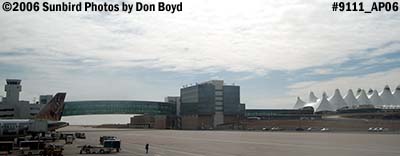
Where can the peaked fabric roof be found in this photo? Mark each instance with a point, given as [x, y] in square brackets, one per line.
[312, 98]
[337, 100]
[323, 104]
[350, 98]
[299, 103]
[396, 94]
[386, 99]
[363, 99]
[387, 96]
[370, 92]
[375, 99]
[358, 92]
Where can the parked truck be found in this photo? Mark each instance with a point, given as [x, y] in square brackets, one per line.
[80, 135]
[102, 138]
[93, 149]
[115, 144]
[108, 147]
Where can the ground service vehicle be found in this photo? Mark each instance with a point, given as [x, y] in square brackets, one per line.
[6, 147]
[64, 135]
[108, 147]
[93, 149]
[114, 144]
[69, 139]
[53, 150]
[106, 138]
[56, 135]
[80, 135]
[31, 147]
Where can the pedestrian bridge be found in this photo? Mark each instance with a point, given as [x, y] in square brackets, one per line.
[118, 107]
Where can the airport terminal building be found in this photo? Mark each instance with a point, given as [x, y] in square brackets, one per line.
[208, 104]
[11, 107]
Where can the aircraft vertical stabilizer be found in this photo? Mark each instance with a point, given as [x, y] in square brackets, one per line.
[54, 109]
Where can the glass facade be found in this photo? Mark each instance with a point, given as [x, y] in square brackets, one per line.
[231, 100]
[118, 107]
[205, 99]
[199, 99]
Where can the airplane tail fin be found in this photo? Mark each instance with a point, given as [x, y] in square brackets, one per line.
[54, 109]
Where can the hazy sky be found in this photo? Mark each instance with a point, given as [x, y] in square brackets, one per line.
[275, 50]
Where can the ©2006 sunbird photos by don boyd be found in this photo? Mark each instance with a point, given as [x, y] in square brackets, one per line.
[113, 7]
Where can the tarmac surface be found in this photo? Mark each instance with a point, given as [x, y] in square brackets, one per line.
[239, 143]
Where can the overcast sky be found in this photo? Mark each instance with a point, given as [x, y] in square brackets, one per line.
[275, 51]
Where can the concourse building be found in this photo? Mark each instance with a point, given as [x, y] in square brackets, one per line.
[118, 107]
[149, 114]
[209, 104]
[201, 106]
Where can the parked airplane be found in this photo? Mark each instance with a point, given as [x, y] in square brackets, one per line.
[47, 119]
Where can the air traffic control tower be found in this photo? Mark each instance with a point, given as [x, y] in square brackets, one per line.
[13, 108]
[12, 88]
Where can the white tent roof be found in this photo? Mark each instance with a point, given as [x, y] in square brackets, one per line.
[312, 98]
[358, 92]
[337, 100]
[299, 103]
[363, 99]
[396, 95]
[323, 104]
[370, 92]
[350, 99]
[375, 98]
[313, 105]
[387, 97]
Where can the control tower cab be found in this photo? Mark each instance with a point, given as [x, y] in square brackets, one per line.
[12, 88]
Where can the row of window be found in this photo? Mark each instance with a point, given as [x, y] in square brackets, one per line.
[112, 107]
